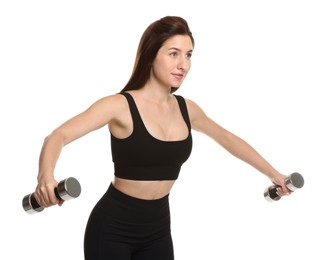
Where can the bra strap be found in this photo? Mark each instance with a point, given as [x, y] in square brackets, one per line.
[184, 110]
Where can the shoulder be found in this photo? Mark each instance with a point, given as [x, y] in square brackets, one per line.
[193, 108]
[196, 114]
[115, 101]
[108, 107]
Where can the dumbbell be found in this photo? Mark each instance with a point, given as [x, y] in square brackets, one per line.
[67, 189]
[293, 182]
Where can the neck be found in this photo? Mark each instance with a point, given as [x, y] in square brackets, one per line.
[157, 93]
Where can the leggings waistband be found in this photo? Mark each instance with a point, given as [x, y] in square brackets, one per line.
[136, 209]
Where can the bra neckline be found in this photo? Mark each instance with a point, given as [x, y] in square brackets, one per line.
[144, 127]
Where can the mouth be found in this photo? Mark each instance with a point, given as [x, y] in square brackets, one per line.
[179, 77]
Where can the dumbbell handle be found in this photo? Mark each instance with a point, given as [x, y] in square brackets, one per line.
[35, 204]
[67, 189]
[293, 182]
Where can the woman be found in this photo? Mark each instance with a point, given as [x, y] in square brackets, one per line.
[151, 138]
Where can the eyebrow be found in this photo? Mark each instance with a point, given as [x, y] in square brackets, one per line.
[177, 49]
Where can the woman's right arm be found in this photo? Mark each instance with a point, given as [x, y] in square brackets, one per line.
[99, 114]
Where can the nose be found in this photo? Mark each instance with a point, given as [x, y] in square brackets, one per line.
[182, 64]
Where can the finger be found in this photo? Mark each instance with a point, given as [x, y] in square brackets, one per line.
[53, 199]
[38, 200]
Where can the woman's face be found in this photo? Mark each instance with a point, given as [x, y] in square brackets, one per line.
[172, 62]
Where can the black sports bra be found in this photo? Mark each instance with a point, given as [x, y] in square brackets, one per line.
[141, 156]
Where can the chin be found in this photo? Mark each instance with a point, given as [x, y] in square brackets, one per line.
[177, 85]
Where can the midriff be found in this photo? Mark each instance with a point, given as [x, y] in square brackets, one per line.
[147, 190]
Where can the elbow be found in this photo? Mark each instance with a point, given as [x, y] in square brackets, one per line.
[57, 137]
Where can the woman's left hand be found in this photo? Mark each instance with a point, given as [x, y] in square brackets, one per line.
[279, 180]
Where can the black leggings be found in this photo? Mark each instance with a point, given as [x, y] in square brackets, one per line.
[122, 227]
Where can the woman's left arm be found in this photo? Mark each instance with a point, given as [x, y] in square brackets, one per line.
[234, 145]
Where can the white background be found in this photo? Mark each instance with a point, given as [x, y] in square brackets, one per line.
[256, 71]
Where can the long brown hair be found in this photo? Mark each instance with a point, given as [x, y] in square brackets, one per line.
[151, 41]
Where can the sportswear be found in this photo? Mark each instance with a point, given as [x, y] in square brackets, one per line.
[141, 156]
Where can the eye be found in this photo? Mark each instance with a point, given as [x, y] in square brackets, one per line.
[173, 54]
[189, 55]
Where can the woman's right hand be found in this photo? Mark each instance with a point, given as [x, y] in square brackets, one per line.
[45, 192]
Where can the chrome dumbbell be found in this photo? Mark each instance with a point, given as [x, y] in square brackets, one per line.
[293, 182]
[67, 189]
